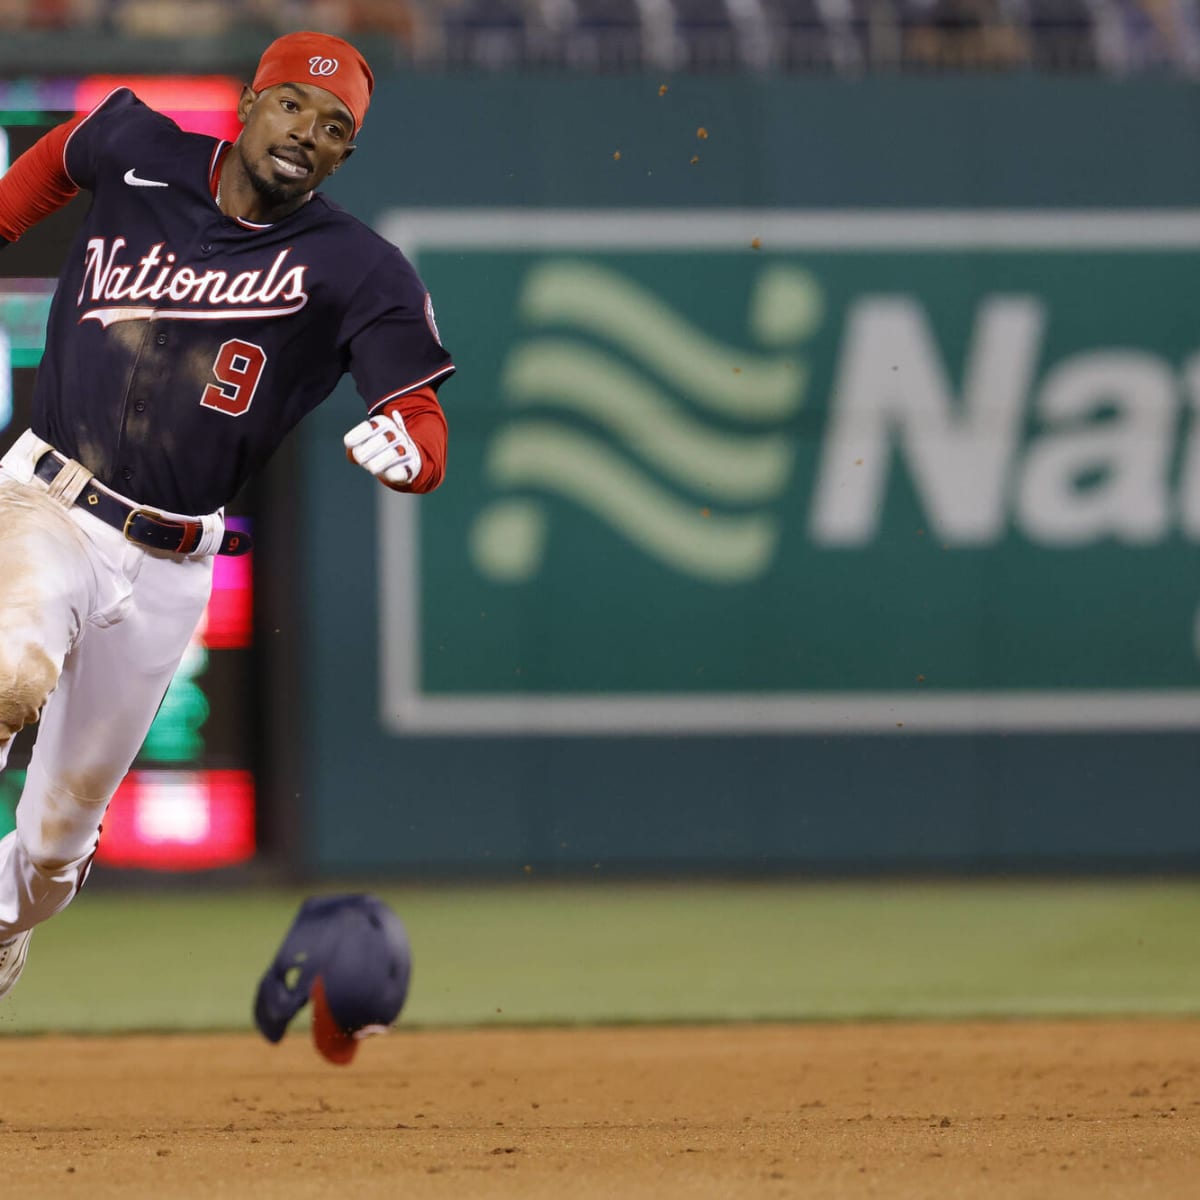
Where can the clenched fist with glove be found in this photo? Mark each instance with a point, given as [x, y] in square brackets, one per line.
[382, 445]
[404, 444]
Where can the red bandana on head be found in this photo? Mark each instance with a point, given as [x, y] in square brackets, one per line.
[323, 61]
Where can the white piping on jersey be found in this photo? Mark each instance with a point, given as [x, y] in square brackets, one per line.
[110, 316]
[212, 170]
[95, 110]
[412, 387]
[212, 162]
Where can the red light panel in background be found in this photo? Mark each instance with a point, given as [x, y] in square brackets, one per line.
[180, 821]
[229, 618]
[197, 103]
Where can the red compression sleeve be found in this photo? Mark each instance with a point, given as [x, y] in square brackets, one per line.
[426, 424]
[37, 184]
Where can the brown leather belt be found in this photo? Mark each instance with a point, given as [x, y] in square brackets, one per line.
[142, 526]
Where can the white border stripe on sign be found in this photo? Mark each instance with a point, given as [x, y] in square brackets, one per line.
[977, 229]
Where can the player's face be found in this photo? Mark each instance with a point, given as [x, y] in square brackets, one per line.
[296, 135]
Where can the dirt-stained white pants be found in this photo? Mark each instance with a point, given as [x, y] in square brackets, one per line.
[92, 629]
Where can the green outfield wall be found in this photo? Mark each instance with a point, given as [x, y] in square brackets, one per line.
[824, 484]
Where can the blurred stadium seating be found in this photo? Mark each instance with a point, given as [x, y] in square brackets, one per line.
[821, 36]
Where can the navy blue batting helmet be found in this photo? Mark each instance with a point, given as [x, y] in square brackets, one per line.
[349, 955]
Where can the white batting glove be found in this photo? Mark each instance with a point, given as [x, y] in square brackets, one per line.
[382, 446]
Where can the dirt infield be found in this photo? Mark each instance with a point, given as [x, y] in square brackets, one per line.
[1021, 1109]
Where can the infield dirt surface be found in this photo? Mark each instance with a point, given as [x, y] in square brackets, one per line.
[1017, 1109]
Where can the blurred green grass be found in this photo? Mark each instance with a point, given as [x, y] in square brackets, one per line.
[535, 952]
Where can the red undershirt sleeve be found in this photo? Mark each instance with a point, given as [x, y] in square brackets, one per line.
[426, 424]
[37, 183]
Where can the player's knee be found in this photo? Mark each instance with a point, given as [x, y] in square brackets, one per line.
[54, 850]
[57, 826]
[26, 680]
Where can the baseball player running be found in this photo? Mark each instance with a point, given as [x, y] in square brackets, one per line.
[212, 298]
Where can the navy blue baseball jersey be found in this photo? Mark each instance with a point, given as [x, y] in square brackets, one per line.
[183, 344]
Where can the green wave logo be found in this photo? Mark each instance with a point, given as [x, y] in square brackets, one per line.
[621, 406]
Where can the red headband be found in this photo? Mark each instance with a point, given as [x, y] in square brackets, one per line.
[323, 61]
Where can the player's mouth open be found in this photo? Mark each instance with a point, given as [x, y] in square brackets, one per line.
[285, 166]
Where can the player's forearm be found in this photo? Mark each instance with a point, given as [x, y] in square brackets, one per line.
[36, 184]
[428, 430]
[426, 425]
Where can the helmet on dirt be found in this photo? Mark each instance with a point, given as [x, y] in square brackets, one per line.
[350, 955]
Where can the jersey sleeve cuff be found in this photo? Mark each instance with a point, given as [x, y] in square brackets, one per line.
[429, 380]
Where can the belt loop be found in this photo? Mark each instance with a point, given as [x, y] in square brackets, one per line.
[69, 482]
[212, 530]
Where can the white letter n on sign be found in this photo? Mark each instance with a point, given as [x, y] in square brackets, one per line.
[891, 391]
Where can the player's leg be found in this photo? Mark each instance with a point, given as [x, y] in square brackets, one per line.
[92, 728]
[47, 587]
